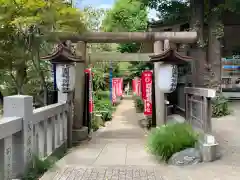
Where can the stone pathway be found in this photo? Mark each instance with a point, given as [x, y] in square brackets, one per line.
[117, 152]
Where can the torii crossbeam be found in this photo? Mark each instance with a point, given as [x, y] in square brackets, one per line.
[125, 37]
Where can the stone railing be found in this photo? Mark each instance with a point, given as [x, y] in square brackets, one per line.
[26, 132]
[198, 108]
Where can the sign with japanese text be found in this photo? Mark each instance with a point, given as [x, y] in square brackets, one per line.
[117, 86]
[119, 90]
[65, 78]
[147, 91]
[90, 90]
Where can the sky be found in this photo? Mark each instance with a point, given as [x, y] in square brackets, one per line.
[105, 4]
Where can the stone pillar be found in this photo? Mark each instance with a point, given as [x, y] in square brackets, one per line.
[79, 132]
[166, 44]
[22, 142]
[159, 96]
[68, 98]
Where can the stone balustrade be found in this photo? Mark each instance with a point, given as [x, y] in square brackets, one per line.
[26, 132]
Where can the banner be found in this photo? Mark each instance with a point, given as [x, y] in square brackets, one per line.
[114, 89]
[139, 87]
[90, 90]
[119, 90]
[117, 86]
[146, 78]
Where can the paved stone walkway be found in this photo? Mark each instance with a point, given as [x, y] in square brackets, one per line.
[117, 152]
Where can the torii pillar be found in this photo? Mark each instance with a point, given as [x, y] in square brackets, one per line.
[80, 132]
[159, 96]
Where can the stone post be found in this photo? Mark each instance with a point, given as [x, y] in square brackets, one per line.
[159, 96]
[79, 132]
[68, 98]
[22, 151]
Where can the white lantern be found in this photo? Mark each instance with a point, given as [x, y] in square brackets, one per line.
[167, 77]
[65, 77]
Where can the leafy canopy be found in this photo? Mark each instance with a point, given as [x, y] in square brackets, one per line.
[126, 16]
[21, 23]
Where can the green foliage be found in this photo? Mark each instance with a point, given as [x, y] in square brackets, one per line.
[39, 168]
[103, 105]
[95, 125]
[168, 139]
[22, 23]
[128, 16]
[103, 94]
[220, 106]
[101, 75]
[170, 11]
[138, 102]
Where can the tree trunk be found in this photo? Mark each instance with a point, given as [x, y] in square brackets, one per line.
[214, 46]
[21, 74]
[198, 51]
[1, 98]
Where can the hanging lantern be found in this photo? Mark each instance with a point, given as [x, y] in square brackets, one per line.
[65, 77]
[167, 76]
[65, 62]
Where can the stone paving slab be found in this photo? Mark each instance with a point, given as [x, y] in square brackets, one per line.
[106, 173]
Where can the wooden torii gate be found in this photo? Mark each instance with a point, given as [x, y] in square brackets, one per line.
[157, 38]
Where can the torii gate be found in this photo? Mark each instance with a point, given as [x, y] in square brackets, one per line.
[157, 38]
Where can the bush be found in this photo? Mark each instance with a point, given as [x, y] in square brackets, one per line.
[168, 139]
[95, 125]
[105, 108]
[39, 168]
[138, 102]
[220, 106]
[103, 94]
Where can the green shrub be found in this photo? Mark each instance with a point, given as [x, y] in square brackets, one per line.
[168, 139]
[220, 106]
[103, 94]
[39, 167]
[138, 102]
[105, 108]
[95, 125]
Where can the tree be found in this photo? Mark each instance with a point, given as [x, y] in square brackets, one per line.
[198, 13]
[126, 15]
[22, 21]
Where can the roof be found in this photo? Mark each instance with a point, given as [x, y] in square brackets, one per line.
[172, 56]
[62, 54]
[161, 23]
